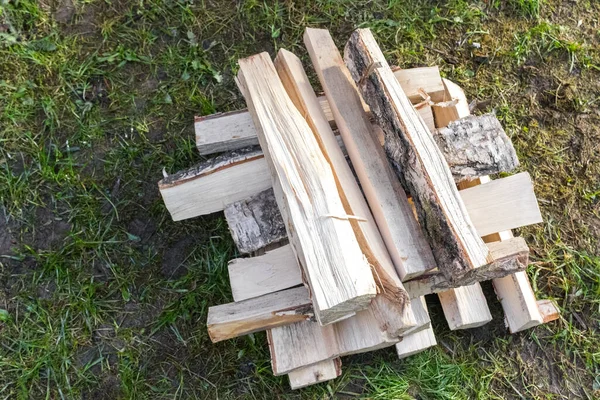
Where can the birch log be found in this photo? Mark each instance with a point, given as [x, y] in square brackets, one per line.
[337, 271]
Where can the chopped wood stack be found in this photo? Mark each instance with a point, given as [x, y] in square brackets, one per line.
[356, 205]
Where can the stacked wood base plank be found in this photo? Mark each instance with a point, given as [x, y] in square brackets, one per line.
[322, 181]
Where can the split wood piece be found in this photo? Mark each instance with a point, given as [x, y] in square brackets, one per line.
[509, 257]
[421, 166]
[416, 80]
[211, 185]
[256, 276]
[338, 273]
[418, 340]
[231, 320]
[235, 130]
[291, 72]
[475, 146]
[317, 373]
[255, 222]
[401, 232]
[300, 345]
[232, 130]
[465, 307]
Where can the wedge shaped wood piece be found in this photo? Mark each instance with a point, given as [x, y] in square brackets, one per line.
[337, 271]
[231, 320]
[405, 242]
[421, 166]
[211, 185]
[298, 87]
[414, 81]
[317, 373]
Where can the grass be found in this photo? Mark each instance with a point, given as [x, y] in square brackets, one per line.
[103, 296]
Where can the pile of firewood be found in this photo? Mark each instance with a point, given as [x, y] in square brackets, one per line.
[357, 204]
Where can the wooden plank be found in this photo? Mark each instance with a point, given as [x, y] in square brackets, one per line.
[509, 257]
[457, 248]
[317, 373]
[256, 276]
[465, 307]
[231, 320]
[338, 273]
[419, 339]
[475, 146]
[291, 72]
[211, 185]
[415, 80]
[224, 132]
[255, 222]
[397, 224]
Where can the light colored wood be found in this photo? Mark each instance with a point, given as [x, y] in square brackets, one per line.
[317, 373]
[419, 339]
[419, 306]
[444, 113]
[338, 273]
[518, 302]
[549, 310]
[397, 224]
[509, 257]
[514, 291]
[291, 72]
[456, 246]
[416, 343]
[211, 185]
[422, 78]
[299, 345]
[455, 92]
[465, 307]
[426, 113]
[256, 276]
[231, 320]
[255, 222]
[224, 132]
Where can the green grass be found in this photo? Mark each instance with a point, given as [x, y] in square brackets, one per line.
[103, 296]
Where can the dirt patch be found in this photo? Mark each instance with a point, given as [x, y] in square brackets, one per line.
[173, 259]
[109, 388]
[50, 231]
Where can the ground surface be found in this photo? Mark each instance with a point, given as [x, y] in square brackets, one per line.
[102, 296]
